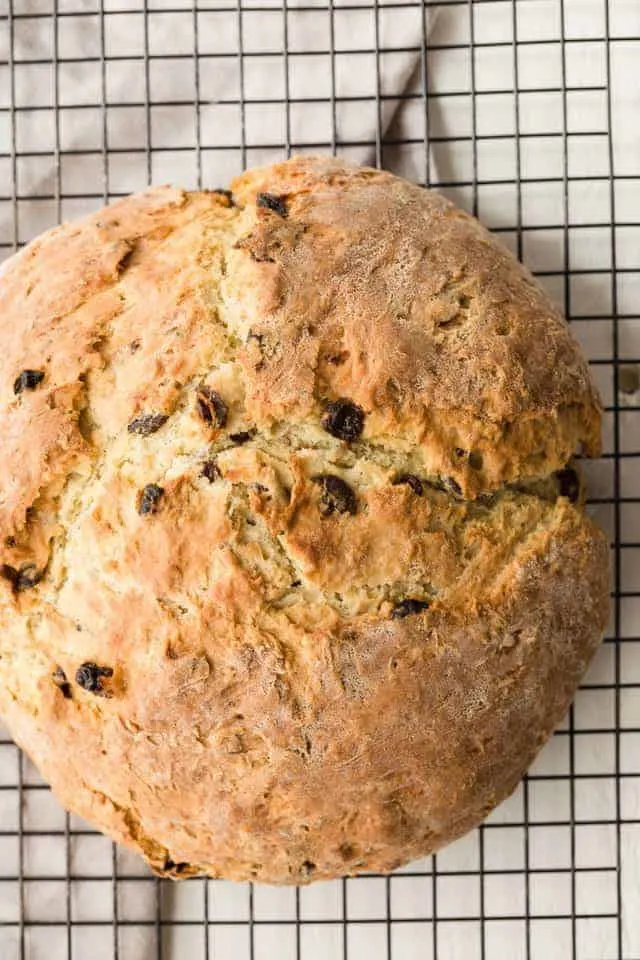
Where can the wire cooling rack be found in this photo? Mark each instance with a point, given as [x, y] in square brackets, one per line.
[526, 112]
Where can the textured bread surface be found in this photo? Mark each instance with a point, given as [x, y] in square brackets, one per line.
[295, 583]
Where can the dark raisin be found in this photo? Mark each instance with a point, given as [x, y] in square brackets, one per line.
[242, 436]
[412, 481]
[28, 380]
[147, 424]
[271, 202]
[296, 583]
[211, 471]
[568, 484]
[91, 678]
[61, 682]
[337, 496]
[211, 407]
[150, 498]
[307, 868]
[10, 541]
[23, 579]
[343, 420]
[460, 452]
[407, 607]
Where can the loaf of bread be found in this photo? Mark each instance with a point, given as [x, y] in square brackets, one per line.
[296, 577]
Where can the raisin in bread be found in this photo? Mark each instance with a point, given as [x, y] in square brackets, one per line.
[296, 574]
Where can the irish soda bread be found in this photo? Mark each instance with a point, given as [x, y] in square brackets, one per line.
[296, 576]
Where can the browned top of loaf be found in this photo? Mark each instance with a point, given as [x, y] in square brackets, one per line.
[375, 289]
[267, 715]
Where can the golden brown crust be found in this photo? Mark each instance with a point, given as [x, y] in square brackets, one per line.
[255, 702]
[375, 289]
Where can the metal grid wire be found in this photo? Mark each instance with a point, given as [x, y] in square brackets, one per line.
[526, 112]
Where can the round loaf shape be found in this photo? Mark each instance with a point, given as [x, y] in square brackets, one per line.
[296, 577]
